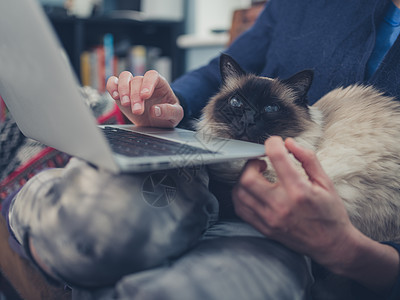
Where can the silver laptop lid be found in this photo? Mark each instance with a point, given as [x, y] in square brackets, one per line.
[32, 67]
[42, 93]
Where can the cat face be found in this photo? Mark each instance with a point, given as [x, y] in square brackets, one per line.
[252, 108]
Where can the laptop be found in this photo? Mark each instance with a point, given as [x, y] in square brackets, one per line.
[42, 94]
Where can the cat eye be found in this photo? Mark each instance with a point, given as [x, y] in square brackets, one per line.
[271, 108]
[235, 102]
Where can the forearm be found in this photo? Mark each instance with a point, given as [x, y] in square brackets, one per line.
[368, 262]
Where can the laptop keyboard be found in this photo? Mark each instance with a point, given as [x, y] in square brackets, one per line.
[136, 144]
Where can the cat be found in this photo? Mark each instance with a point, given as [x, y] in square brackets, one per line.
[354, 131]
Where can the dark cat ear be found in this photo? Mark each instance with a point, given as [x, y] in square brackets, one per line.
[229, 68]
[300, 83]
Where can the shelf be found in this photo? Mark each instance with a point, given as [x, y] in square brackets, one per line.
[196, 41]
[80, 34]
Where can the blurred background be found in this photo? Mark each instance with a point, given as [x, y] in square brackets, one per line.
[105, 37]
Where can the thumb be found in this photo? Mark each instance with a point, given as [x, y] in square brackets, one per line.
[167, 114]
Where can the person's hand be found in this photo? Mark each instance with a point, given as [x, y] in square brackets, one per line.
[305, 214]
[146, 100]
[308, 216]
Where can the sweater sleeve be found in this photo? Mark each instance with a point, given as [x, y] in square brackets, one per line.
[249, 50]
[395, 293]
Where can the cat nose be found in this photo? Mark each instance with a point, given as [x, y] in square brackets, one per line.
[253, 135]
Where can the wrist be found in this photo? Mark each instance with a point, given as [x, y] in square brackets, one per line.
[341, 253]
[366, 261]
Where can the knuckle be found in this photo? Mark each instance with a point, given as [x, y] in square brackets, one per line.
[279, 155]
[137, 79]
[274, 224]
[240, 196]
[300, 195]
[247, 179]
[151, 73]
[311, 155]
[278, 220]
[110, 81]
[171, 123]
[125, 74]
[276, 155]
[135, 85]
[109, 86]
[285, 213]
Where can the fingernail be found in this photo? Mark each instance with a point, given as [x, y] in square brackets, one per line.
[125, 100]
[145, 91]
[136, 106]
[115, 94]
[157, 111]
[116, 80]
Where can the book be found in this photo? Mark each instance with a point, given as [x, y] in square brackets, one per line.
[101, 69]
[85, 68]
[108, 42]
[106, 59]
[93, 70]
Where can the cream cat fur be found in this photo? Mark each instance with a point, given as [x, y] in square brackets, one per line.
[355, 132]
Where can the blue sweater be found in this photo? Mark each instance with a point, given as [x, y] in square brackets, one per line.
[335, 38]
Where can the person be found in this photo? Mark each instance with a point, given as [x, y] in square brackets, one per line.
[222, 259]
[277, 209]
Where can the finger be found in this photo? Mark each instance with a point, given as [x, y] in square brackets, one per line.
[254, 183]
[309, 161]
[112, 87]
[280, 160]
[258, 165]
[244, 212]
[252, 218]
[124, 87]
[137, 104]
[247, 208]
[241, 198]
[150, 81]
[170, 113]
[245, 204]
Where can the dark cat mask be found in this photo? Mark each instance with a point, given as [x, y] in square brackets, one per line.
[252, 108]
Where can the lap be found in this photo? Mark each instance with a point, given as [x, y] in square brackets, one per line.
[221, 266]
[91, 227]
[95, 229]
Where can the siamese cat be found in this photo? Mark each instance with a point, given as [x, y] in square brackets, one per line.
[355, 132]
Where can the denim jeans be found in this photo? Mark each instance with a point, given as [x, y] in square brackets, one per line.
[152, 235]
